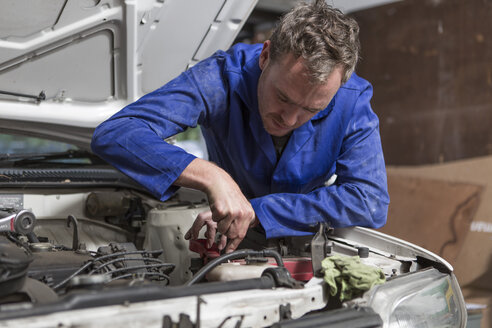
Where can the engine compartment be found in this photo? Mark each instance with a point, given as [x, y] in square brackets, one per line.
[85, 241]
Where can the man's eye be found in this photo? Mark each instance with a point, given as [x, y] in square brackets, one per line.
[282, 99]
[312, 111]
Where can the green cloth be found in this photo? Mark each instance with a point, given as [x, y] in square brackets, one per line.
[349, 275]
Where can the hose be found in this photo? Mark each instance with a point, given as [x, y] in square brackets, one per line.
[234, 256]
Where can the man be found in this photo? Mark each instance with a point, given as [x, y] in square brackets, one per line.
[289, 129]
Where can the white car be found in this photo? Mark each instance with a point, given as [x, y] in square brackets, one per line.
[82, 245]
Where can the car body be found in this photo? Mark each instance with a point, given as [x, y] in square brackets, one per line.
[83, 245]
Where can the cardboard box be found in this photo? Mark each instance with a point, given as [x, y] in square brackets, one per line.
[447, 209]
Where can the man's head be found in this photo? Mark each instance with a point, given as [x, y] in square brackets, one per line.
[312, 51]
[323, 36]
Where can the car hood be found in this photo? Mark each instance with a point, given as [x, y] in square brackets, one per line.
[66, 66]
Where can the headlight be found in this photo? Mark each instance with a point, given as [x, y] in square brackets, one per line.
[427, 298]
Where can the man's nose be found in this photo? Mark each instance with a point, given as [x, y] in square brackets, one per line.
[289, 117]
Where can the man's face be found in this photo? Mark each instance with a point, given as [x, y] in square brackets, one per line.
[286, 98]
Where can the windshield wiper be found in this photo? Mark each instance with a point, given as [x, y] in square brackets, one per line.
[69, 154]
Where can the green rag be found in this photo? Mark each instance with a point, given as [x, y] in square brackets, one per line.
[348, 274]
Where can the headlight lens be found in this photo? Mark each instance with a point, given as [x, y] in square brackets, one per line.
[424, 299]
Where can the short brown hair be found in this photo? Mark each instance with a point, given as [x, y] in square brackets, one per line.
[322, 35]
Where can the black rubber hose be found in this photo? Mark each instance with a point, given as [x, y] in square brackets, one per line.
[125, 259]
[144, 274]
[100, 258]
[31, 236]
[234, 256]
[169, 267]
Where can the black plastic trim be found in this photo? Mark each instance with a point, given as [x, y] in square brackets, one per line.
[359, 317]
[65, 177]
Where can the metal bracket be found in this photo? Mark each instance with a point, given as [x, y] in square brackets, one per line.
[321, 246]
[75, 240]
[183, 322]
[285, 312]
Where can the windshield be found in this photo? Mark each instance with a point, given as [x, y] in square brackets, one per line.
[16, 144]
[24, 150]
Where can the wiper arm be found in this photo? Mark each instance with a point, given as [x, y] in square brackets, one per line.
[41, 96]
[71, 153]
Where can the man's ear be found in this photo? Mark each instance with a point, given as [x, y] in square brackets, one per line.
[265, 54]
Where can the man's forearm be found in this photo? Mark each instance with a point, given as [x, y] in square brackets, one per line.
[200, 175]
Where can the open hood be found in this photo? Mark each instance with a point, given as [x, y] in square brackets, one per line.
[72, 64]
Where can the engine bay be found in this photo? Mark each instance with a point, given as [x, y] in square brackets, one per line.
[76, 241]
[114, 257]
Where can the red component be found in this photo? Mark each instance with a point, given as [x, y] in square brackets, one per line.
[300, 268]
[12, 227]
[200, 246]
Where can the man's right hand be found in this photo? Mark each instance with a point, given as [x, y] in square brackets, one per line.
[229, 208]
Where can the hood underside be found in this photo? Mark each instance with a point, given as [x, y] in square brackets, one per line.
[75, 63]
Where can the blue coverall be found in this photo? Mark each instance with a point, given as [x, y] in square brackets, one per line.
[289, 194]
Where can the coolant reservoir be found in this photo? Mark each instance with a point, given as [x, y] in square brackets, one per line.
[300, 269]
[236, 270]
[165, 229]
